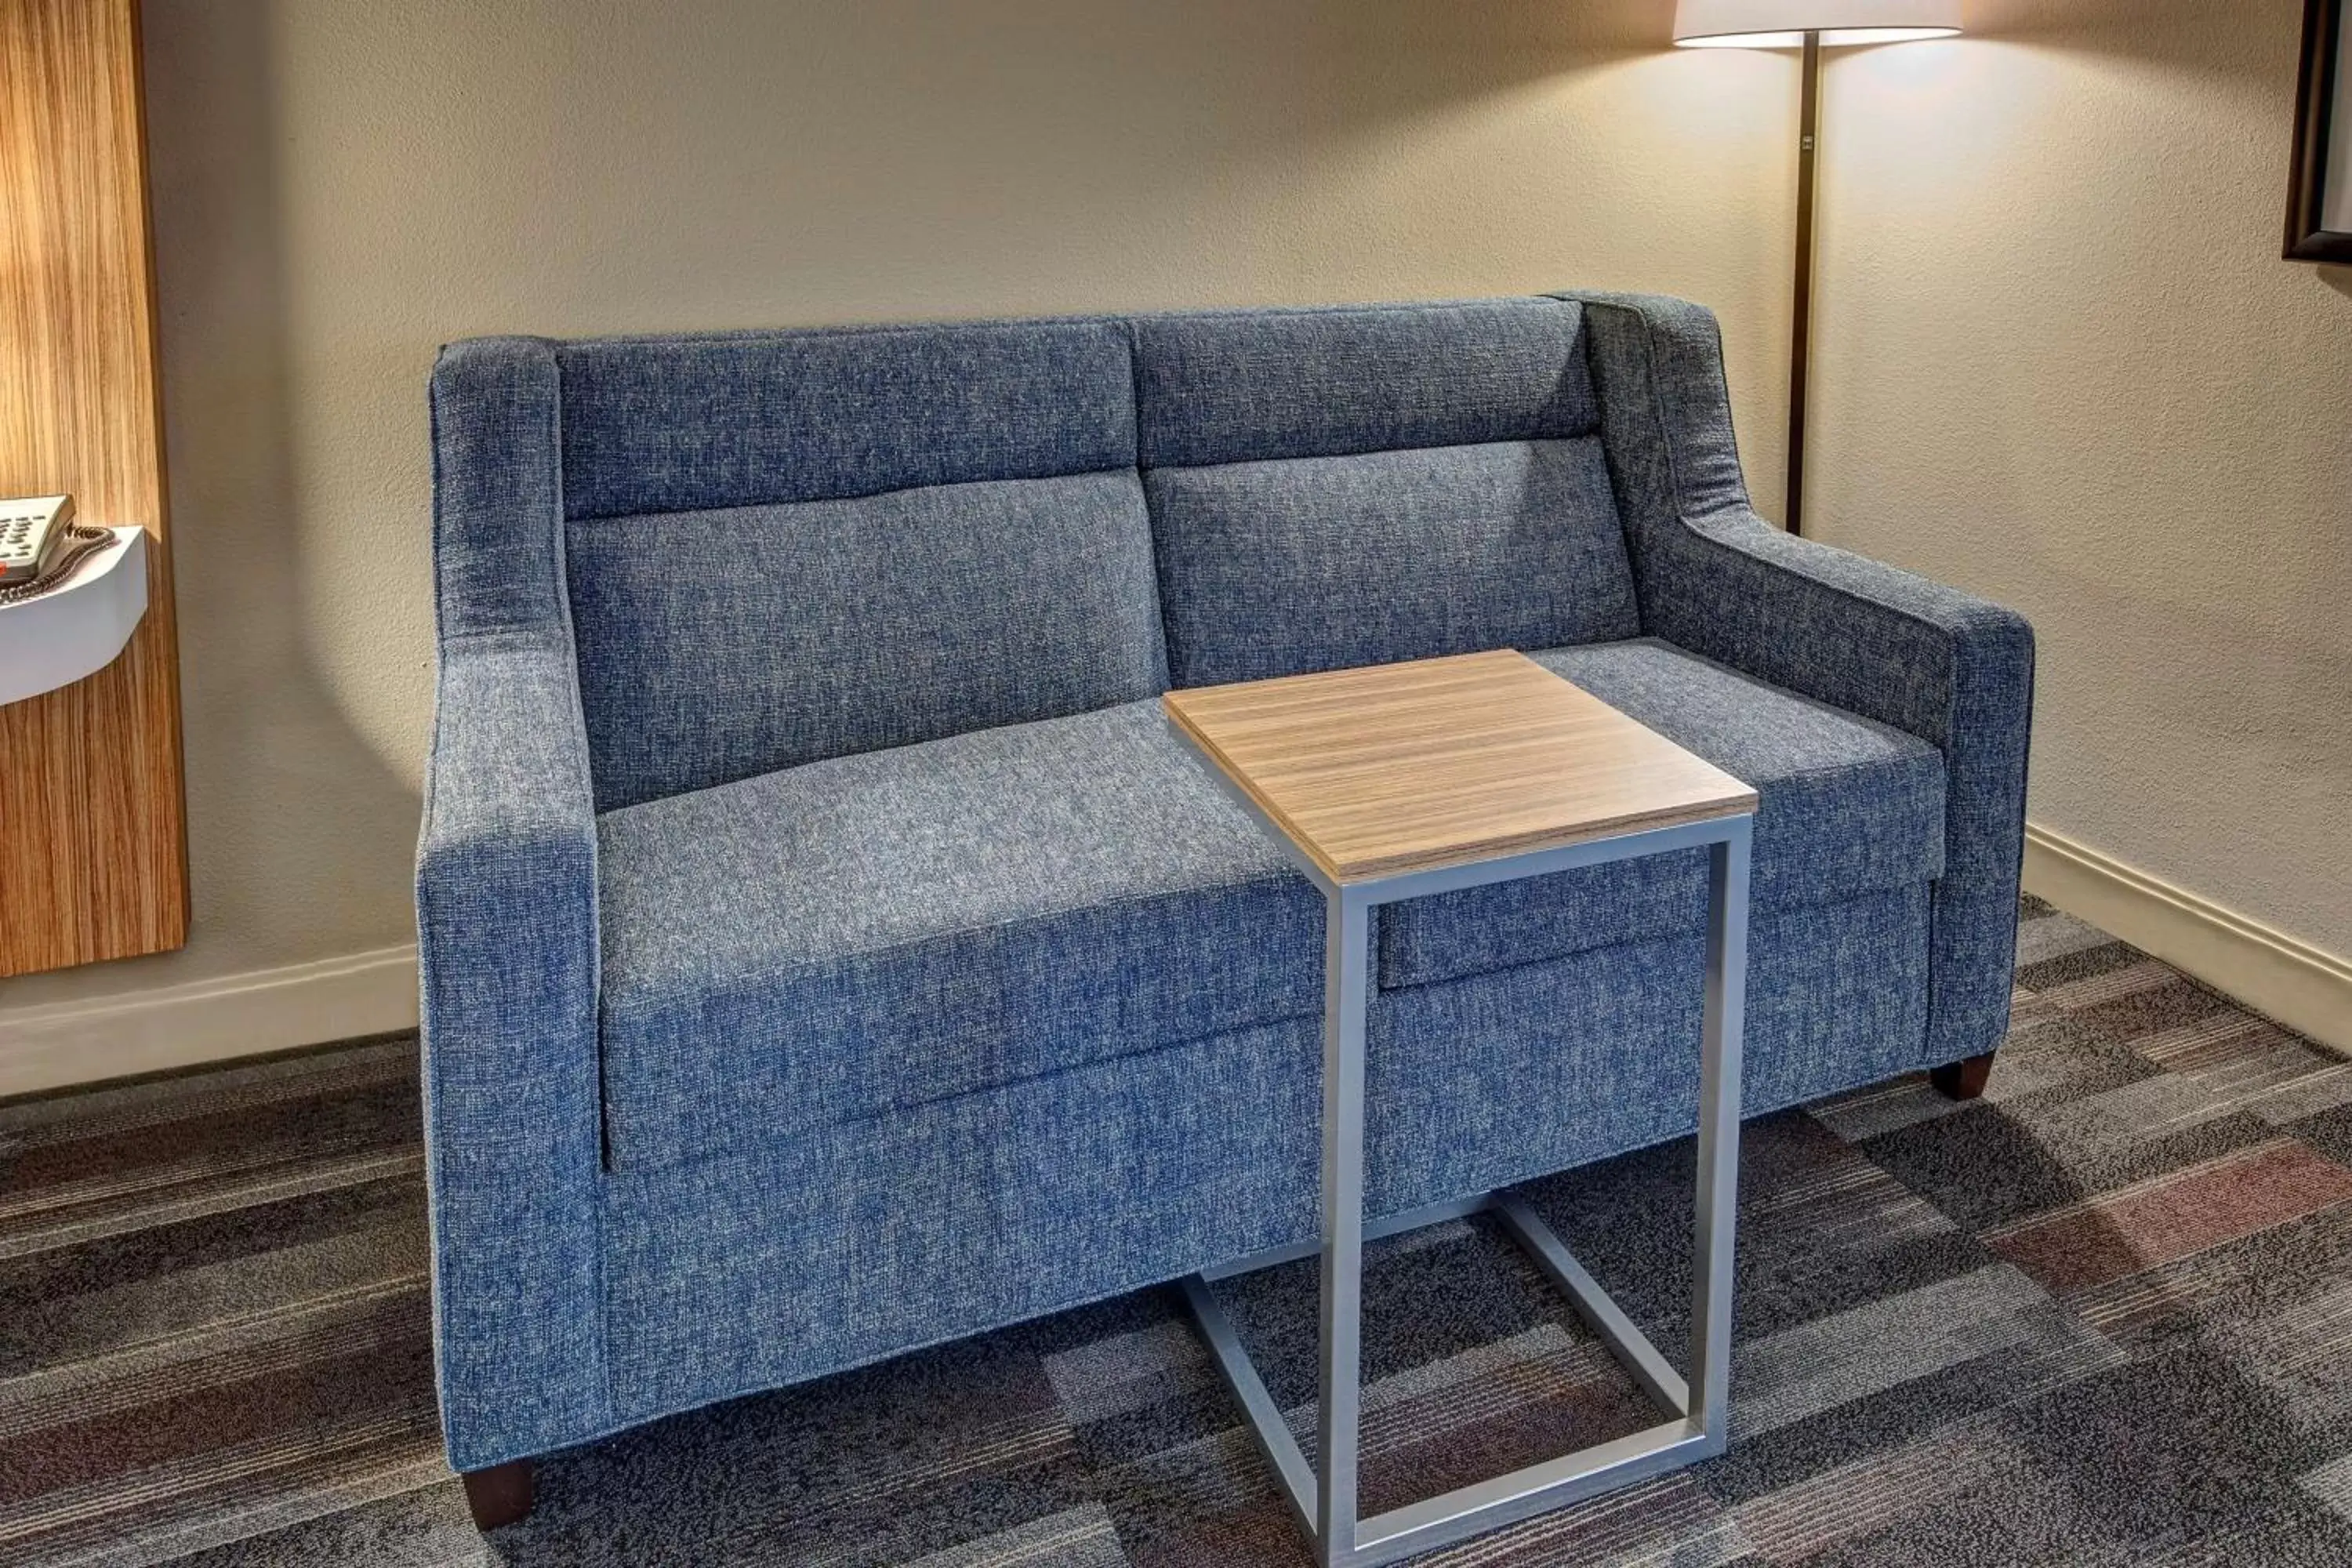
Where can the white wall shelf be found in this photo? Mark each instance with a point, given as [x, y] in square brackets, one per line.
[75, 629]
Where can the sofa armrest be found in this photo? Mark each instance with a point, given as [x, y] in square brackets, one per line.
[506, 915]
[1712, 576]
[506, 934]
[1928, 661]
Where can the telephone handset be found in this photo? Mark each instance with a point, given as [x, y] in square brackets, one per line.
[41, 546]
[33, 532]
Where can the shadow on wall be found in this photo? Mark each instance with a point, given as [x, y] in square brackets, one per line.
[2179, 34]
[1395, 58]
[299, 836]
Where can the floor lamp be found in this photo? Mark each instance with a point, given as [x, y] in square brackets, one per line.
[1811, 25]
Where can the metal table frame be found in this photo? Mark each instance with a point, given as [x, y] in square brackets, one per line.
[1324, 1495]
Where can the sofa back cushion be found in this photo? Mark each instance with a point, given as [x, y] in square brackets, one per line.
[783, 547]
[1357, 485]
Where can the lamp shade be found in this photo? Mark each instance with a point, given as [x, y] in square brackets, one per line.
[1783, 23]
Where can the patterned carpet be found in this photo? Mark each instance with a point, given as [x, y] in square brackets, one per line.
[2102, 1317]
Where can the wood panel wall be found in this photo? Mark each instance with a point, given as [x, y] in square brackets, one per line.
[93, 845]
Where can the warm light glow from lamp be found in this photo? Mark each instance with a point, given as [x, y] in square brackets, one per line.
[1810, 26]
[1783, 23]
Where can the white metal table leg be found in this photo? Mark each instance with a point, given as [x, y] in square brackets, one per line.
[1346, 979]
[1697, 1411]
[1716, 1220]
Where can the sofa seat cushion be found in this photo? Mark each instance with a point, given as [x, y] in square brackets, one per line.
[858, 935]
[1846, 808]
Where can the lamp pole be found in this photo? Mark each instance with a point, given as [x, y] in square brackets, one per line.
[1779, 25]
[1800, 342]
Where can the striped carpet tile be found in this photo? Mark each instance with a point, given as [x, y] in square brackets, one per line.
[2101, 1317]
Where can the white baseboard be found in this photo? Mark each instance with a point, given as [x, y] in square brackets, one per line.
[208, 1020]
[2306, 988]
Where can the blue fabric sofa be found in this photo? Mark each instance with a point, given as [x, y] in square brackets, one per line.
[829, 950]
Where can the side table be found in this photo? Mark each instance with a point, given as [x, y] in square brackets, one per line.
[1405, 780]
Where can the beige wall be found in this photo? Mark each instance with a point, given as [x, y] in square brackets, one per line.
[2060, 361]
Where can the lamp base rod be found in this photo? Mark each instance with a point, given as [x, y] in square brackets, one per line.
[1802, 327]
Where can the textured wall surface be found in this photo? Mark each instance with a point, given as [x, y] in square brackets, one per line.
[2060, 361]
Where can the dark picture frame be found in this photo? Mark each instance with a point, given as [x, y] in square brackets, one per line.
[2319, 202]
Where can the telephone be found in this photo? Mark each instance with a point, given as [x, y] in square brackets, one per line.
[33, 532]
[41, 545]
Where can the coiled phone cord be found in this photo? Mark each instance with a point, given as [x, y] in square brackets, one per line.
[82, 541]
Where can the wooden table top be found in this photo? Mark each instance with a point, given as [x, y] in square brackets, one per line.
[1443, 761]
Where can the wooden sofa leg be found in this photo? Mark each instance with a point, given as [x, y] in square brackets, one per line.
[500, 1495]
[1962, 1080]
